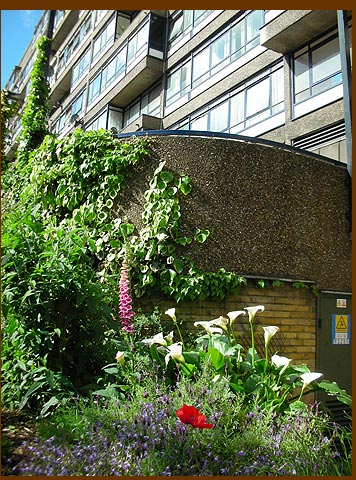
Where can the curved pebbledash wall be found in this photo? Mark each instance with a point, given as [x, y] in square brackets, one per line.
[271, 211]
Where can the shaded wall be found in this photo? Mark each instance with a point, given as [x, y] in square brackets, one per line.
[271, 212]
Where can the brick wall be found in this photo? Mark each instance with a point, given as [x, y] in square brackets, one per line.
[292, 309]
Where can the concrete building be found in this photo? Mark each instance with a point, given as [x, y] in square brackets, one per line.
[281, 75]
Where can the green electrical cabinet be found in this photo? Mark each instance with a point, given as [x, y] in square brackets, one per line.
[334, 347]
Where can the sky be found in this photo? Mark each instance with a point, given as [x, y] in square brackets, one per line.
[17, 27]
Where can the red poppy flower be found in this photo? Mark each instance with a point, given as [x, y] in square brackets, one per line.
[192, 416]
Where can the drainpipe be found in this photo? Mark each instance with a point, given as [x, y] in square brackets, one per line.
[344, 44]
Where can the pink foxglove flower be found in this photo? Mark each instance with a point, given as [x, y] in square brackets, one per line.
[126, 312]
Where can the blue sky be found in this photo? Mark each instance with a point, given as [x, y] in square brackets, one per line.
[17, 27]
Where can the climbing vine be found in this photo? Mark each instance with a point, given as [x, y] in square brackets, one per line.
[35, 116]
[9, 110]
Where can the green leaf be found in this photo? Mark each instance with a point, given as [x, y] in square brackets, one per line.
[187, 369]
[332, 388]
[166, 176]
[113, 370]
[236, 388]
[201, 235]
[51, 402]
[185, 186]
[216, 358]
[127, 229]
[192, 357]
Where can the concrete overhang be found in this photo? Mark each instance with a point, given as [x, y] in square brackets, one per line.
[294, 28]
[136, 81]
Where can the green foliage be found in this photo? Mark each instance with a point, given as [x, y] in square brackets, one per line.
[270, 384]
[56, 308]
[35, 116]
[9, 110]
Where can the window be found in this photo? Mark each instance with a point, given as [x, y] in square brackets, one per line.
[148, 104]
[94, 88]
[255, 101]
[57, 18]
[105, 38]
[316, 69]
[238, 39]
[81, 67]
[76, 107]
[121, 63]
[183, 23]
[178, 83]
[138, 43]
[329, 142]
[110, 117]
[77, 40]
[98, 123]
[110, 73]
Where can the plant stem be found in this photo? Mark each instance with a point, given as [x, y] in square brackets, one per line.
[252, 343]
[179, 333]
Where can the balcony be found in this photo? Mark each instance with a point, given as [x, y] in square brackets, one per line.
[294, 28]
[143, 122]
[63, 28]
[136, 81]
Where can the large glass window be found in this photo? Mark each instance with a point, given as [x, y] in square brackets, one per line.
[81, 67]
[253, 102]
[316, 68]
[75, 107]
[236, 41]
[109, 73]
[77, 40]
[148, 104]
[178, 83]
[106, 37]
[138, 43]
[223, 49]
[183, 22]
[120, 64]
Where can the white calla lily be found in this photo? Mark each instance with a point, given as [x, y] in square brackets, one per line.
[279, 361]
[221, 322]
[253, 310]
[175, 351]
[233, 315]
[310, 377]
[169, 337]
[158, 338]
[120, 357]
[208, 326]
[171, 312]
[269, 332]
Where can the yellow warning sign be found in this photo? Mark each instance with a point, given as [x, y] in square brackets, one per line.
[341, 324]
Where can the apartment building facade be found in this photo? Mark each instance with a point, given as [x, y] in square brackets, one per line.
[271, 74]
